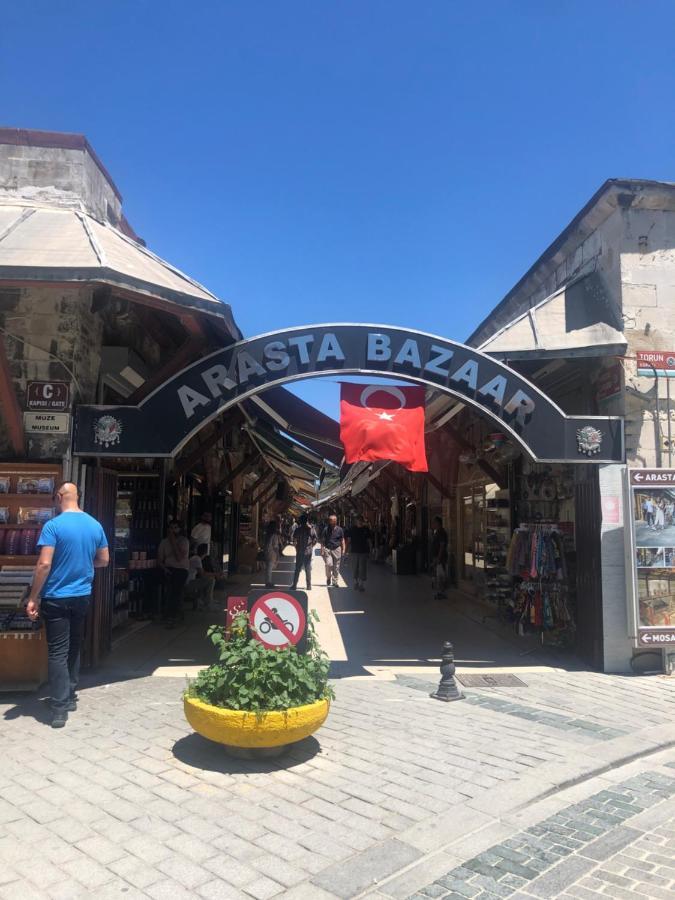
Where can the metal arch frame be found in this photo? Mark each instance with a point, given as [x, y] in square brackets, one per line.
[230, 354]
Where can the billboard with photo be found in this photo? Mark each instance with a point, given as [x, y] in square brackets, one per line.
[652, 502]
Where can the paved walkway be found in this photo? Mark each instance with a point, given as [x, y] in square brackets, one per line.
[564, 786]
[395, 627]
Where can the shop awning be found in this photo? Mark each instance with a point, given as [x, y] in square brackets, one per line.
[54, 244]
[580, 319]
[302, 469]
[279, 408]
[275, 446]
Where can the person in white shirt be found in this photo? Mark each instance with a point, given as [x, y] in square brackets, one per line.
[201, 533]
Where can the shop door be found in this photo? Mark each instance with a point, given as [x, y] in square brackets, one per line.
[589, 575]
[100, 498]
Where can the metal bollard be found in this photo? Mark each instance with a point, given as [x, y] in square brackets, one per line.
[447, 689]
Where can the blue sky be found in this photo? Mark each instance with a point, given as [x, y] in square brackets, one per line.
[401, 162]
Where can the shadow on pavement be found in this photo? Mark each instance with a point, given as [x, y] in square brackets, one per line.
[200, 753]
[34, 706]
[397, 624]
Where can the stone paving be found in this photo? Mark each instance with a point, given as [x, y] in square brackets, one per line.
[127, 802]
[584, 850]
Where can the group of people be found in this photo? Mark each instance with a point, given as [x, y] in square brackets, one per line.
[658, 514]
[334, 542]
[187, 568]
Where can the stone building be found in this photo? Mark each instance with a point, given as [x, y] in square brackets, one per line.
[82, 299]
[600, 293]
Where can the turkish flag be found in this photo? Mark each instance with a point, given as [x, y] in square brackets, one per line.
[383, 422]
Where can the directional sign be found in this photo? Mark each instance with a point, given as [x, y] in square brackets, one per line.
[46, 423]
[278, 618]
[652, 513]
[656, 362]
[54, 395]
[652, 476]
[656, 638]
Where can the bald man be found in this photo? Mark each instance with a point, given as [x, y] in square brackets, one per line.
[71, 546]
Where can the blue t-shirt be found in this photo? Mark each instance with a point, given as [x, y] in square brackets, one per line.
[76, 536]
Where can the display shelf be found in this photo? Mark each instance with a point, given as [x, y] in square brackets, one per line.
[18, 560]
[32, 496]
[33, 525]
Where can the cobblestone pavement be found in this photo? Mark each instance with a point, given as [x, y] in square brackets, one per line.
[394, 794]
[585, 850]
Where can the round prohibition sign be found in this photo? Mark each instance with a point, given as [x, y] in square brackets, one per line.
[278, 620]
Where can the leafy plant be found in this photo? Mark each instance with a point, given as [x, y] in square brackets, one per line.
[250, 677]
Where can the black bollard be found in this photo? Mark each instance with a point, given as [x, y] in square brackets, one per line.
[447, 689]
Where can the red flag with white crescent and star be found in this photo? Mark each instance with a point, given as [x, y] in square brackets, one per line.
[383, 422]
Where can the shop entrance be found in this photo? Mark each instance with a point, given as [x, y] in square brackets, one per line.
[489, 516]
[523, 561]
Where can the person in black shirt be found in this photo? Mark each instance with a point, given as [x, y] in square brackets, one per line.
[359, 549]
[332, 549]
[439, 557]
[304, 538]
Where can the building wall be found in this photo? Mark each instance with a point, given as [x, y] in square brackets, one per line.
[648, 292]
[67, 177]
[49, 334]
[631, 244]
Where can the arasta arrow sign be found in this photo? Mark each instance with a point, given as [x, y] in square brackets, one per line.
[652, 476]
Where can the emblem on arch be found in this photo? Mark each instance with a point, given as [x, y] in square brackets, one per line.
[107, 431]
[589, 440]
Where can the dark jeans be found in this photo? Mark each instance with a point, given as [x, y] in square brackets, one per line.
[175, 584]
[64, 624]
[303, 562]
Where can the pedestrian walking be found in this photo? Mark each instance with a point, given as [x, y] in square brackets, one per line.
[304, 539]
[359, 549]
[649, 512]
[272, 550]
[439, 558]
[72, 545]
[173, 556]
[333, 548]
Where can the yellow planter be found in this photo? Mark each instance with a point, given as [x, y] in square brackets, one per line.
[235, 728]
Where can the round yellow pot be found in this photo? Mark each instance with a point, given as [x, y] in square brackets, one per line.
[250, 730]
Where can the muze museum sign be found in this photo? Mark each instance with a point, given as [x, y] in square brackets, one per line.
[167, 418]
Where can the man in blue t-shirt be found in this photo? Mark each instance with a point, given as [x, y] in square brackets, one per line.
[71, 546]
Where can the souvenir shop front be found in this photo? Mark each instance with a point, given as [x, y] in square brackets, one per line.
[123, 455]
[526, 558]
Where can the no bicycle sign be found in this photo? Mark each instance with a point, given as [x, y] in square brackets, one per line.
[278, 618]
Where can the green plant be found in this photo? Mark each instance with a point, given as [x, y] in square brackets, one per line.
[250, 677]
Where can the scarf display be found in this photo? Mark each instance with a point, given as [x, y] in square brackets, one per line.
[536, 556]
[536, 552]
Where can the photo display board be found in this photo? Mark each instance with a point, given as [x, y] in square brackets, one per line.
[652, 498]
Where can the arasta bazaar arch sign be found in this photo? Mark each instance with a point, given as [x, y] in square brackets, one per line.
[165, 420]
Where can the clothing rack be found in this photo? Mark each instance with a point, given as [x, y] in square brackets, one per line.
[536, 560]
